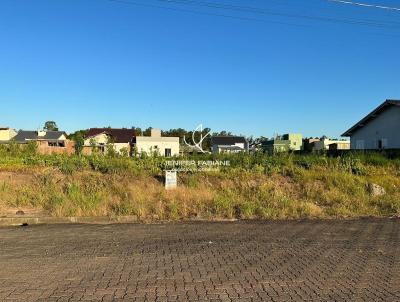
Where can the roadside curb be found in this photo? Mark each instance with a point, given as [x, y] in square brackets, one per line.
[39, 220]
[15, 221]
[21, 221]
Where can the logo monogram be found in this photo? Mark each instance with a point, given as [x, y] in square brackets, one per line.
[197, 145]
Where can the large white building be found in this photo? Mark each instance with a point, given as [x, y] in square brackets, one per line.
[156, 144]
[378, 130]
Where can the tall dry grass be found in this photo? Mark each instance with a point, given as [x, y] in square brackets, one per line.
[254, 186]
[306, 193]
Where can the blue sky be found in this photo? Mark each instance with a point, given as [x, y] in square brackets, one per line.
[88, 63]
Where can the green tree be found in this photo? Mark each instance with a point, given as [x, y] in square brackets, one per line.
[50, 126]
[79, 142]
[78, 134]
[137, 130]
[79, 138]
[179, 132]
[147, 132]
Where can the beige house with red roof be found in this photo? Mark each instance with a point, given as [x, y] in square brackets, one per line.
[125, 140]
[101, 139]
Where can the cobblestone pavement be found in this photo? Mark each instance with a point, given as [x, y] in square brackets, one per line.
[244, 261]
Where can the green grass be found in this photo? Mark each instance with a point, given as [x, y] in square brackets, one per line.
[253, 186]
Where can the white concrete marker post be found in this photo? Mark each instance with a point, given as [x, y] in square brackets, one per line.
[170, 180]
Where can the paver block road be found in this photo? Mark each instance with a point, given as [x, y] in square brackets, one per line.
[357, 260]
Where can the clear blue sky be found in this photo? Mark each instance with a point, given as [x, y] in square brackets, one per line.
[88, 63]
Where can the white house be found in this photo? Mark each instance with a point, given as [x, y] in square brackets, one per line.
[324, 143]
[164, 146]
[229, 144]
[378, 130]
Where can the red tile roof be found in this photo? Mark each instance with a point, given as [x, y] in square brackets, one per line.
[118, 135]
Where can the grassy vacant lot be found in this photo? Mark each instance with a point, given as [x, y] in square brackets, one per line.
[254, 186]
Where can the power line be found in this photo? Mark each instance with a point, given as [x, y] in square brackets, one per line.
[366, 5]
[206, 13]
[249, 9]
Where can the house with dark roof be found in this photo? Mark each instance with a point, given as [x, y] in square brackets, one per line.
[229, 144]
[101, 139]
[377, 130]
[24, 137]
[47, 142]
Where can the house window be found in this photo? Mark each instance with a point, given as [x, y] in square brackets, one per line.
[168, 152]
[56, 144]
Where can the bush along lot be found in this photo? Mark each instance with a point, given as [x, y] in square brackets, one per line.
[254, 186]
